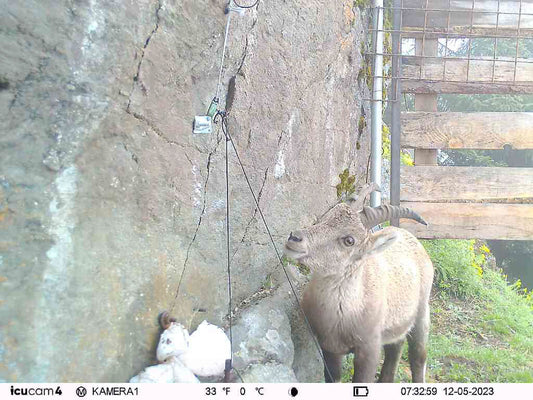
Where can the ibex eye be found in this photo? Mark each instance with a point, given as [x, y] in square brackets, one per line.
[349, 241]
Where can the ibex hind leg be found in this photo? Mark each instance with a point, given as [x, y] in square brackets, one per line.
[393, 352]
[332, 367]
[366, 361]
[417, 340]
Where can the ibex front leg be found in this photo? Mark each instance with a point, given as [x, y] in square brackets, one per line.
[366, 362]
[332, 366]
[393, 352]
[417, 340]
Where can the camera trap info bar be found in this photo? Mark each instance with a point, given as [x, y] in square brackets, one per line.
[203, 124]
[269, 391]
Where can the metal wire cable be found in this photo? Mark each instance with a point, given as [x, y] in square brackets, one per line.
[215, 98]
[223, 115]
[226, 41]
[225, 130]
[230, 307]
[253, 5]
[223, 55]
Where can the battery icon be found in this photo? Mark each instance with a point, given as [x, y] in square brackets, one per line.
[360, 391]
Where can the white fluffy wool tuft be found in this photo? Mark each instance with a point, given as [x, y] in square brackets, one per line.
[209, 348]
[184, 356]
[174, 341]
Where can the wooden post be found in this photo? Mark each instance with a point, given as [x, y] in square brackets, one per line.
[425, 102]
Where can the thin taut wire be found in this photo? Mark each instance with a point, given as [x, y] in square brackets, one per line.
[223, 55]
[228, 248]
[226, 131]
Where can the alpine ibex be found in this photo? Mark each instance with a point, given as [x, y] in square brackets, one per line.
[367, 290]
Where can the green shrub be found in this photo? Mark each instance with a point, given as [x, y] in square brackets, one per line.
[457, 265]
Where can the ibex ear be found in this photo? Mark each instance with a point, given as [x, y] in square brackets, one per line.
[380, 241]
[358, 201]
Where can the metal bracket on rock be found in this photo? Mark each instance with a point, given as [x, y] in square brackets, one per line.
[202, 124]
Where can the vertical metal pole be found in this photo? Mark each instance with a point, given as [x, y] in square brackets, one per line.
[396, 109]
[377, 103]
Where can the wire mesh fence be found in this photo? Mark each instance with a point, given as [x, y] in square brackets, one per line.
[458, 46]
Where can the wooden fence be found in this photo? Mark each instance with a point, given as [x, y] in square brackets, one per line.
[461, 202]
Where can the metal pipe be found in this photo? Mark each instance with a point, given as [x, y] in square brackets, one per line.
[377, 103]
[396, 110]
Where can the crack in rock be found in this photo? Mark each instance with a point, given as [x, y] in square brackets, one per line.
[244, 54]
[204, 206]
[131, 153]
[246, 303]
[152, 126]
[136, 80]
[256, 210]
[202, 213]
[136, 77]
[187, 254]
[188, 158]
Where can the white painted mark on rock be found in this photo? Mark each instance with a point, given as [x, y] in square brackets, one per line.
[279, 168]
[329, 144]
[198, 187]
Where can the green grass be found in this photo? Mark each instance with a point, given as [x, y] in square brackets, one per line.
[481, 325]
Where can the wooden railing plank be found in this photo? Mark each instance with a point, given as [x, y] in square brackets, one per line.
[418, 86]
[472, 221]
[463, 31]
[441, 184]
[463, 70]
[454, 130]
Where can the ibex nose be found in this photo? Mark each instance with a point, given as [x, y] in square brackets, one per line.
[295, 237]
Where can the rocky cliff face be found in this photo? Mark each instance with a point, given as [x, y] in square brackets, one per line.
[106, 195]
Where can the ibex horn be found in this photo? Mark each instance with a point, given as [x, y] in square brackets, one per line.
[374, 216]
[358, 202]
